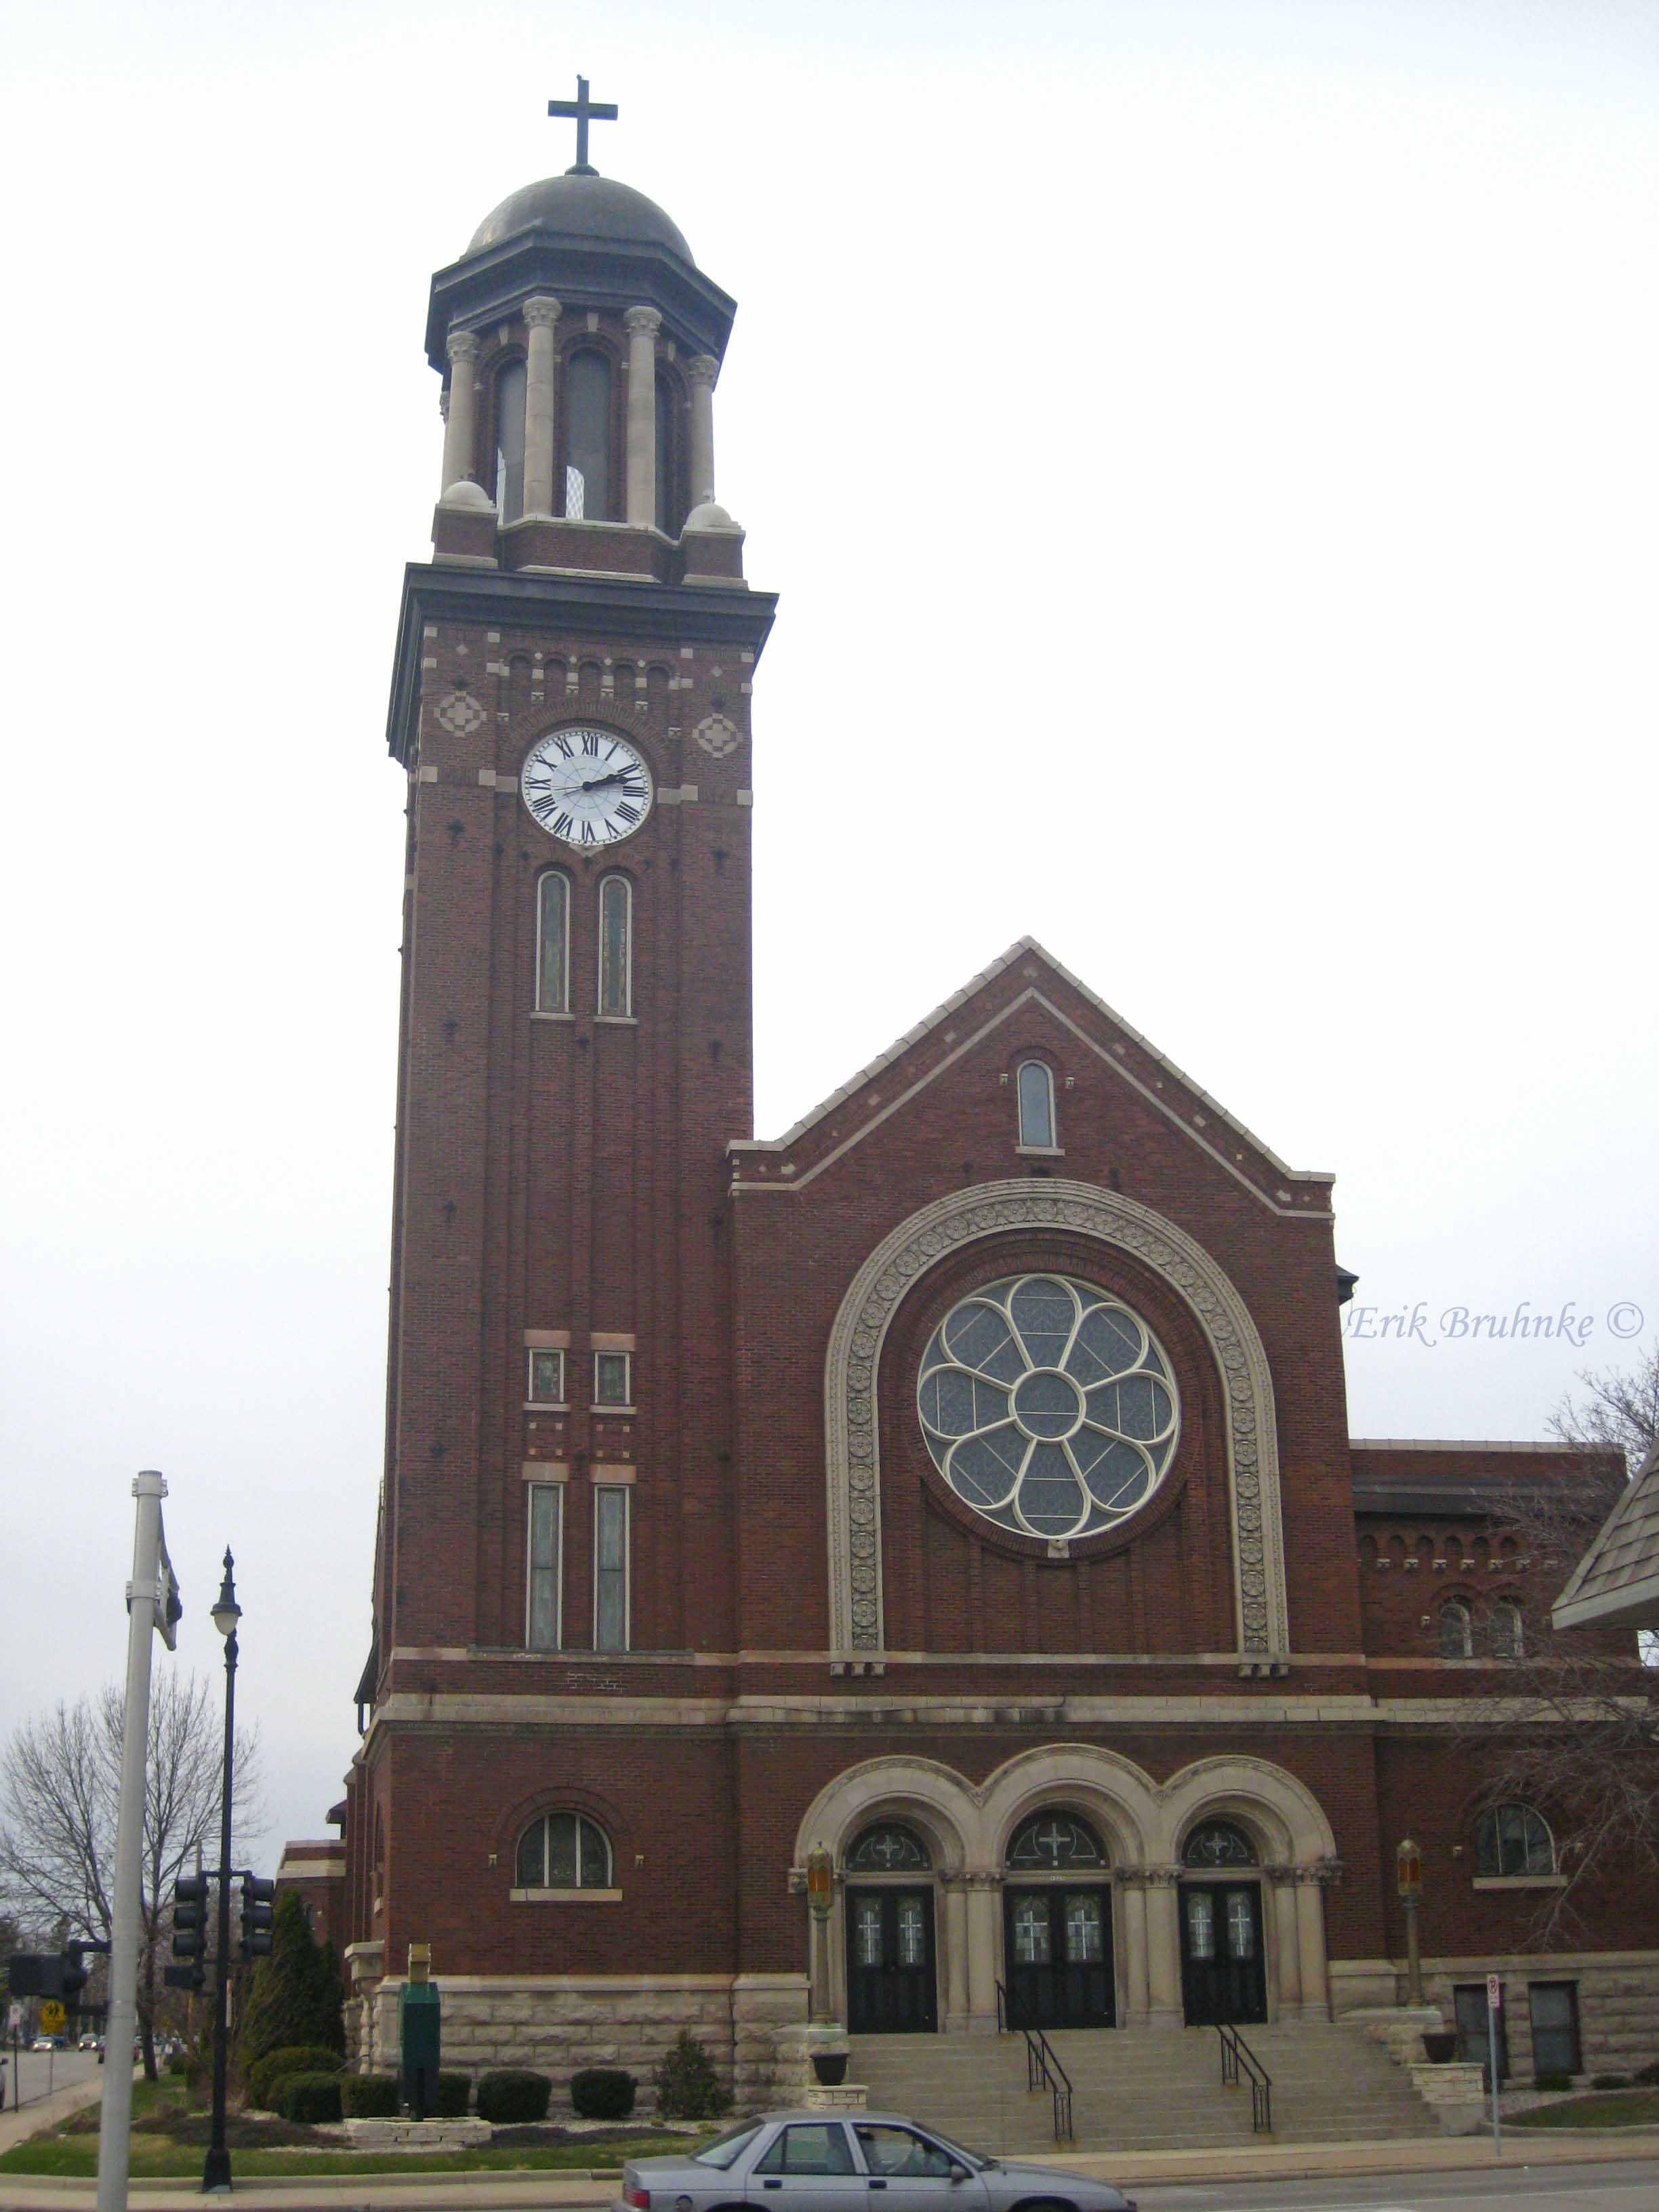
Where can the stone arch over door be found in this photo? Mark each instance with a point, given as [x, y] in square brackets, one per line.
[852, 1449]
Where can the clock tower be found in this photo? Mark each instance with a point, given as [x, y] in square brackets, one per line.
[570, 703]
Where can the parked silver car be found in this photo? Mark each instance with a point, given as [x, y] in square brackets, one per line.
[856, 2162]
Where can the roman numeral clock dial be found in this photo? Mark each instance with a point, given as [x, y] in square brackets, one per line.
[586, 787]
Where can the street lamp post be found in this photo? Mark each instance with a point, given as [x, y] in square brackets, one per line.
[215, 2171]
[1408, 1875]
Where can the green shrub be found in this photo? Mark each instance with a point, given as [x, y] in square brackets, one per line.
[368, 2096]
[1609, 2081]
[297, 2058]
[454, 2097]
[688, 2087]
[602, 2093]
[1649, 2076]
[514, 2096]
[1551, 2081]
[309, 2100]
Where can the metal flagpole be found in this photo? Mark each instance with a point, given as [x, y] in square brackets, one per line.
[149, 1606]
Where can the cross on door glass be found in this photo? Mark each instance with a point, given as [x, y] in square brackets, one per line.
[868, 1929]
[912, 1936]
[1083, 1931]
[1032, 1931]
[1241, 1925]
[1201, 1923]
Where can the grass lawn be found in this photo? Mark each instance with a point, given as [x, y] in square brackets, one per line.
[1608, 2108]
[169, 2139]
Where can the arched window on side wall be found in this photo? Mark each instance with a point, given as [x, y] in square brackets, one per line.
[509, 441]
[553, 943]
[587, 437]
[616, 945]
[1037, 1105]
[1457, 1629]
[1513, 1839]
[1508, 1636]
[563, 1851]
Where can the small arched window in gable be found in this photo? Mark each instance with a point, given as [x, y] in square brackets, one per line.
[888, 1848]
[1052, 1840]
[1217, 1843]
[553, 943]
[1457, 1629]
[587, 437]
[1037, 1105]
[616, 945]
[563, 1851]
[1513, 1839]
[509, 440]
[1508, 1639]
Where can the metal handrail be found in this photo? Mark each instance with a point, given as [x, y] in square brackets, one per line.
[1234, 2053]
[1042, 2068]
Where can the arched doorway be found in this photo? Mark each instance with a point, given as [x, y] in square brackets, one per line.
[1223, 1973]
[891, 1970]
[1057, 1924]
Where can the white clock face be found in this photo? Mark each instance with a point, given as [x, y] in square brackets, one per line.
[586, 787]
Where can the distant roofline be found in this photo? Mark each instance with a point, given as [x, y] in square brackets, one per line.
[1475, 1443]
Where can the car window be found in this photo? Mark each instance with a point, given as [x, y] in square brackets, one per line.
[818, 2146]
[898, 2151]
[726, 2150]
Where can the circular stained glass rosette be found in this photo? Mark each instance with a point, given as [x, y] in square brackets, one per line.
[1048, 1407]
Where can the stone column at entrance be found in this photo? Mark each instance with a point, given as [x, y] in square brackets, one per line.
[1137, 1998]
[1286, 1937]
[642, 325]
[540, 315]
[1310, 1936]
[954, 1900]
[984, 1902]
[1164, 2007]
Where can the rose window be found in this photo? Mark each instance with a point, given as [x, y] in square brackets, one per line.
[1048, 1407]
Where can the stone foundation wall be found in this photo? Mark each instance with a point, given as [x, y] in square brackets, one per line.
[557, 2026]
[1617, 2000]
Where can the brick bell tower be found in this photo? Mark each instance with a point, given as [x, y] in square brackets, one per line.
[571, 704]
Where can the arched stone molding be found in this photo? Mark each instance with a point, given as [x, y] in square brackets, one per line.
[935, 1800]
[1280, 1814]
[852, 1447]
[1118, 1797]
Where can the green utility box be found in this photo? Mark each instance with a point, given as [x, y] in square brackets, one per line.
[420, 2014]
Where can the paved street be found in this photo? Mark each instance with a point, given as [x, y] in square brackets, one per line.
[1625, 2187]
[32, 2070]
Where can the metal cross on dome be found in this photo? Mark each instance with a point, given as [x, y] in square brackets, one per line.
[584, 110]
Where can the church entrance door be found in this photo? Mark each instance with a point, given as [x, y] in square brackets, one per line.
[1057, 1951]
[1222, 1976]
[891, 1978]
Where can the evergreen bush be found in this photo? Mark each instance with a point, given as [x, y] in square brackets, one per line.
[310, 2100]
[688, 2087]
[514, 2096]
[1648, 2077]
[602, 2093]
[301, 2059]
[295, 1998]
[454, 2097]
[368, 2096]
[1609, 2081]
[1550, 2082]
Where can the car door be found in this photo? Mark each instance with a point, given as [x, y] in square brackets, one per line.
[808, 2167]
[909, 2171]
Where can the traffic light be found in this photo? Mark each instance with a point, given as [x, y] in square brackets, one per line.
[74, 1977]
[190, 1915]
[259, 1910]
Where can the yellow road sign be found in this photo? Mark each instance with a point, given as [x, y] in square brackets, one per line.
[51, 2017]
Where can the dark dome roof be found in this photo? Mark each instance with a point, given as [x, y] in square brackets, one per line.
[589, 207]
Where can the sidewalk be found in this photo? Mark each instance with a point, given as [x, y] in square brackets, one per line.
[18, 2122]
[566, 2192]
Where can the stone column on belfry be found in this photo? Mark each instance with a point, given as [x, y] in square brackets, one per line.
[462, 409]
[541, 316]
[642, 325]
[700, 371]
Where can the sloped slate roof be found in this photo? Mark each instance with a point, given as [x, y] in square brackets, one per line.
[1616, 1584]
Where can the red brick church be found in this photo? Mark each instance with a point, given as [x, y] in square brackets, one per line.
[958, 1486]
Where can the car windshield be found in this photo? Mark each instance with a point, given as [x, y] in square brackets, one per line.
[975, 2161]
[726, 2150]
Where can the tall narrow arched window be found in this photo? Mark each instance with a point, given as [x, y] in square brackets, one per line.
[1457, 1629]
[669, 515]
[553, 943]
[509, 441]
[587, 437]
[1037, 1105]
[1507, 1637]
[616, 945]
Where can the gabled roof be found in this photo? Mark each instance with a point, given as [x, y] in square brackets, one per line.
[1616, 1584]
[1185, 1103]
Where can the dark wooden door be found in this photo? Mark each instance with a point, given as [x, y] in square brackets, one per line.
[1221, 1974]
[891, 1978]
[1058, 1953]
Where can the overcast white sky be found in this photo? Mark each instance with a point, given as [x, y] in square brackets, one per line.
[1207, 453]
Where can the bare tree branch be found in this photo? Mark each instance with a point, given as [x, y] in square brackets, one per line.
[1619, 1411]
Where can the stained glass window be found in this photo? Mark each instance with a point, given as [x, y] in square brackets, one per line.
[563, 1851]
[553, 943]
[1037, 1105]
[1219, 1844]
[1513, 1839]
[1054, 1840]
[1048, 1407]
[887, 1849]
[616, 948]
